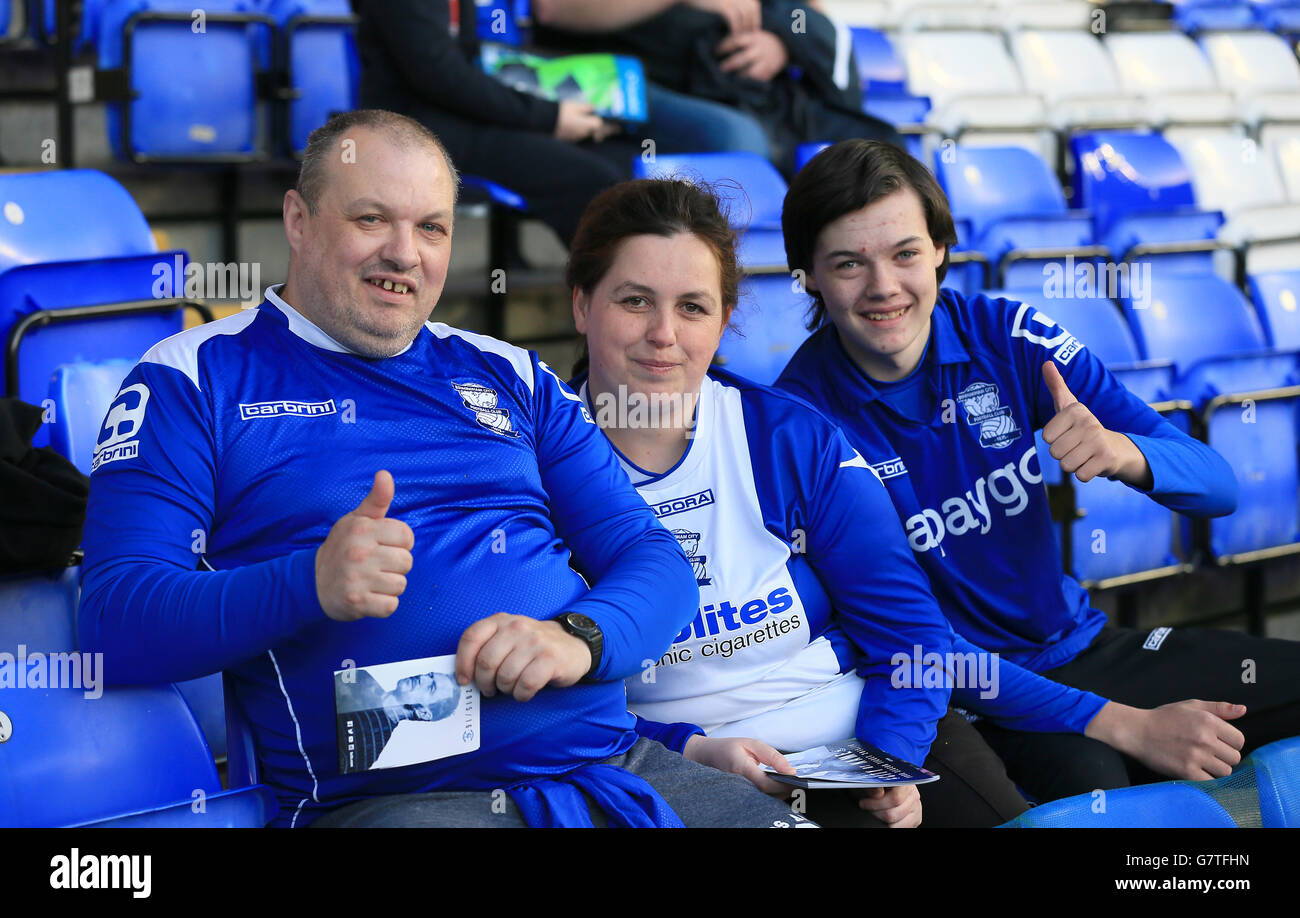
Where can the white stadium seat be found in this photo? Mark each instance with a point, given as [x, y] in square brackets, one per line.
[1076, 78]
[1232, 175]
[975, 89]
[1170, 72]
[1044, 14]
[1261, 70]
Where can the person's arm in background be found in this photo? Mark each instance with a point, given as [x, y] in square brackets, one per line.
[417, 41]
[819, 47]
[604, 16]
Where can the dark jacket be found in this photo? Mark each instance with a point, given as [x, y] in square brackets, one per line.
[677, 48]
[410, 63]
[42, 495]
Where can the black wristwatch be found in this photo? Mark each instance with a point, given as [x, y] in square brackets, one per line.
[582, 627]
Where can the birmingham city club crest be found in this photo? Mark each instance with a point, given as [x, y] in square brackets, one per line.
[984, 408]
[483, 402]
[690, 543]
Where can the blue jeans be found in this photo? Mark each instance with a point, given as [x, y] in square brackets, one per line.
[684, 124]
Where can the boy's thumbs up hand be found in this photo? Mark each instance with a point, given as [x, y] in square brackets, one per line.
[1083, 446]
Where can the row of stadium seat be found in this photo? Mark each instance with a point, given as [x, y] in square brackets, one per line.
[79, 754]
[1038, 85]
[1281, 16]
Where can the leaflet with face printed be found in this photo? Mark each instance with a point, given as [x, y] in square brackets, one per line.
[404, 713]
[850, 763]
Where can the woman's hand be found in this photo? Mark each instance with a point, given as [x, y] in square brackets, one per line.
[741, 756]
[896, 807]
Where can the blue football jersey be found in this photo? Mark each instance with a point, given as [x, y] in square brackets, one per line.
[233, 448]
[965, 478]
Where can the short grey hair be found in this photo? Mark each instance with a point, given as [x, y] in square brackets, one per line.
[323, 144]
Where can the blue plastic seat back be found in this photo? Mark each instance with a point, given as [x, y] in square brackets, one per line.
[1276, 295]
[67, 215]
[74, 759]
[1263, 791]
[771, 322]
[1187, 318]
[82, 393]
[39, 611]
[323, 63]
[880, 69]
[89, 22]
[195, 92]
[901, 109]
[1167, 805]
[1218, 16]
[61, 285]
[1121, 173]
[500, 21]
[1259, 442]
[1277, 775]
[757, 204]
[206, 700]
[804, 153]
[988, 184]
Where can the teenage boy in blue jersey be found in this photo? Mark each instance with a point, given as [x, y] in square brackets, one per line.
[357, 486]
[943, 393]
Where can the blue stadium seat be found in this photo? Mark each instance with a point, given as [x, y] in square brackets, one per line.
[1276, 295]
[1239, 387]
[1281, 16]
[504, 22]
[755, 207]
[880, 69]
[771, 323]
[81, 393]
[1263, 791]
[1119, 536]
[883, 78]
[69, 240]
[39, 611]
[804, 153]
[1195, 16]
[194, 94]
[1142, 200]
[47, 29]
[317, 53]
[133, 756]
[1016, 210]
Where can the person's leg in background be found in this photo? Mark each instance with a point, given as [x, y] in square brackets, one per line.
[684, 124]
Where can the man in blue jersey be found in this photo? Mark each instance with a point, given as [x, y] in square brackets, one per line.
[943, 393]
[329, 482]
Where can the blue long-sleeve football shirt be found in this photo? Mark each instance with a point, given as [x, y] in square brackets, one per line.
[233, 448]
[966, 483]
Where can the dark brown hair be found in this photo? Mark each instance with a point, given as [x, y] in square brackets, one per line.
[656, 207]
[847, 177]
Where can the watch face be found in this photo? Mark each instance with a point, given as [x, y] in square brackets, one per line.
[580, 622]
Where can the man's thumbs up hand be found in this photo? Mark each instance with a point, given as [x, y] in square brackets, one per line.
[361, 566]
[1083, 446]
